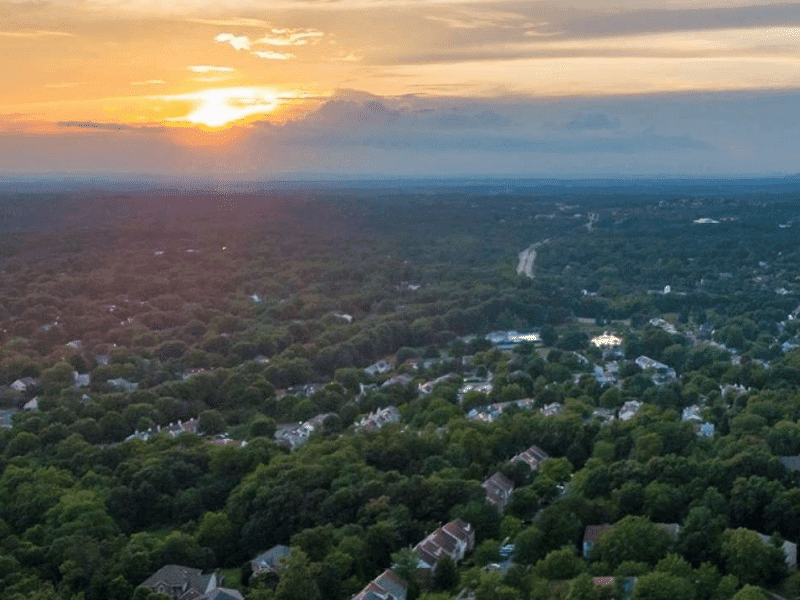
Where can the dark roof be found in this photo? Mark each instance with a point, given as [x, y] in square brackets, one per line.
[459, 528]
[499, 482]
[172, 575]
[593, 532]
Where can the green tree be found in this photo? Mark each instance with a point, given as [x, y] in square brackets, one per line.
[749, 592]
[633, 538]
[560, 564]
[752, 560]
[210, 422]
[445, 577]
[296, 581]
[663, 586]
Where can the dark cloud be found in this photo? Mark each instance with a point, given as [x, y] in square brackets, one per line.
[91, 125]
[565, 23]
[664, 21]
[457, 125]
[590, 121]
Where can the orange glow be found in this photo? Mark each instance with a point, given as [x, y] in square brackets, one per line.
[219, 108]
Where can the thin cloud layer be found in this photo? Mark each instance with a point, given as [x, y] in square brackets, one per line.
[210, 69]
[270, 55]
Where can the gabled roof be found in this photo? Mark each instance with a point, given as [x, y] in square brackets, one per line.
[271, 558]
[180, 576]
[392, 583]
[459, 529]
[500, 482]
[446, 542]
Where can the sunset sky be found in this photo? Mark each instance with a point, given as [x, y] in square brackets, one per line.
[406, 87]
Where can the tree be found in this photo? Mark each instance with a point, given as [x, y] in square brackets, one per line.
[581, 588]
[549, 336]
[749, 592]
[210, 422]
[633, 538]
[445, 577]
[560, 564]
[527, 546]
[750, 559]
[296, 580]
[218, 533]
[262, 427]
[663, 586]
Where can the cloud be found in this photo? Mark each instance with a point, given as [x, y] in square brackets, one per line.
[351, 57]
[269, 55]
[590, 122]
[149, 82]
[238, 42]
[93, 125]
[219, 107]
[291, 37]
[358, 120]
[35, 34]
[474, 19]
[234, 22]
[210, 69]
[60, 86]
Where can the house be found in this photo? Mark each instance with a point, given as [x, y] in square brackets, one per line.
[663, 373]
[508, 339]
[792, 463]
[32, 404]
[181, 583]
[386, 586]
[7, 418]
[706, 430]
[24, 384]
[173, 429]
[379, 368]
[123, 384]
[484, 387]
[378, 419]
[789, 551]
[79, 380]
[549, 410]
[498, 490]
[295, 436]
[604, 415]
[629, 410]
[533, 457]
[691, 413]
[591, 536]
[398, 380]
[454, 539]
[222, 594]
[270, 561]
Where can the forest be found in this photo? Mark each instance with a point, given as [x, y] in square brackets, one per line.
[248, 311]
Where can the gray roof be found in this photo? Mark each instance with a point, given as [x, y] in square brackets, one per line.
[272, 557]
[791, 462]
[179, 576]
[222, 594]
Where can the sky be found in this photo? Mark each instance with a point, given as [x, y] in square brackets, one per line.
[258, 89]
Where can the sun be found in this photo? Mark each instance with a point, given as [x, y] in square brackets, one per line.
[220, 108]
